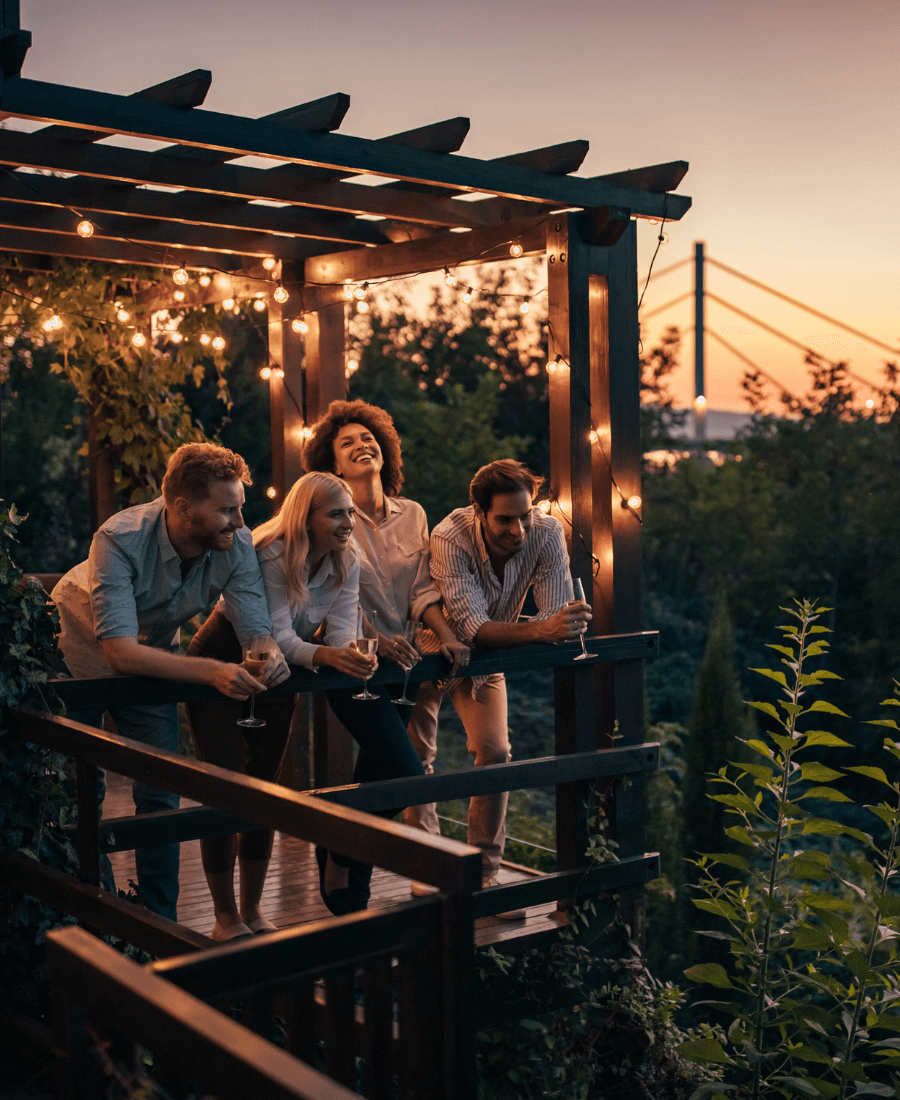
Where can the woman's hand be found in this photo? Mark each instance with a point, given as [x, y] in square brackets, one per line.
[346, 659]
[456, 653]
[397, 649]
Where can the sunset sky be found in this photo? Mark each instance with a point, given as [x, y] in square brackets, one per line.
[787, 112]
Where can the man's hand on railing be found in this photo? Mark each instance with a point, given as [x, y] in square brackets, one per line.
[567, 624]
[457, 654]
[234, 681]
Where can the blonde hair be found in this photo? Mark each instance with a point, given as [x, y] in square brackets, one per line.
[308, 494]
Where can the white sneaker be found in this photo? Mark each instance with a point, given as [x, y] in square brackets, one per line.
[421, 889]
[508, 914]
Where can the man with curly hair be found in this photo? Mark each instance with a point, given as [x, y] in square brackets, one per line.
[152, 568]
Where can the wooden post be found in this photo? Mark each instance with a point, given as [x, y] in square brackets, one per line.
[101, 476]
[595, 388]
[286, 407]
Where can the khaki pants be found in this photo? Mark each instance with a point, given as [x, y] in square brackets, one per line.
[487, 739]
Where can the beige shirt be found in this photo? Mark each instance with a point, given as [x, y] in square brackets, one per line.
[394, 577]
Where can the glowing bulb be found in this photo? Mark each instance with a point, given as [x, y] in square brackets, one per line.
[179, 295]
[181, 277]
[348, 292]
[85, 228]
[175, 337]
[268, 264]
[515, 249]
[266, 372]
[204, 280]
[525, 306]
[218, 343]
[139, 339]
[228, 303]
[593, 437]
[271, 492]
[48, 325]
[449, 280]
[123, 314]
[362, 307]
[552, 365]
[307, 433]
[700, 400]
[279, 372]
[352, 366]
[360, 292]
[299, 325]
[280, 295]
[634, 502]
[467, 297]
[205, 339]
[259, 304]
[544, 507]
[870, 404]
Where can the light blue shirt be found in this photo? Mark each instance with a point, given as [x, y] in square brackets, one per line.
[131, 587]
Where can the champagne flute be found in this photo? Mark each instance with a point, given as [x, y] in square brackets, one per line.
[368, 646]
[254, 662]
[578, 589]
[412, 632]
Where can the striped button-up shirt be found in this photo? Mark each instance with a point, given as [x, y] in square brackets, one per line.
[473, 593]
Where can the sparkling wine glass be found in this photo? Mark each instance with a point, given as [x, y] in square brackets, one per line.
[578, 589]
[412, 632]
[254, 662]
[368, 646]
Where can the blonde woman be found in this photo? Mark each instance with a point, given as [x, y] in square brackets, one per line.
[310, 567]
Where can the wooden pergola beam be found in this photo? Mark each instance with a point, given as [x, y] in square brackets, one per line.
[111, 251]
[96, 197]
[236, 181]
[45, 102]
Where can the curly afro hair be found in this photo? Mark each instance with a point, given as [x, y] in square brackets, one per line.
[318, 454]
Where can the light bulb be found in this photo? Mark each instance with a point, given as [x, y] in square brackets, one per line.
[123, 314]
[450, 280]
[266, 372]
[544, 507]
[228, 303]
[552, 365]
[280, 295]
[352, 365]
[205, 339]
[593, 437]
[181, 277]
[307, 433]
[85, 228]
[515, 249]
[362, 307]
[269, 263]
[700, 400]
[525, 306]
[360, 292]
[175, 337]
[348, 292]
[139, 339]
[55, 322]
[48, 325]
[634, 502]
[467, 297]
[204, 280]
[299, 325]
[870, 404]
[218, 343]
[179, 295]
[279, 372]
[259, 304]
[271, 492]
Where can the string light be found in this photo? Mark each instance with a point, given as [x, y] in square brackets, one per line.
[271, 492]
[259, 304]
[700, 400]
[299, 325]
[204, 280]
[85, 228]
[205, 339]
[179, 295]
[122, 314]
[269, 263]
[266, 373]
[228, 303]
[525, 306]
[632, 502]
[280, 295]
[360, 292]
[306, 432]
[450, 280]
[348, 292]
[52, 323]
[593, 436]
[870, 404]
[362, 307]
[279, 372]
[516, 249]
[467, 297]
[175, 337]
[218, 343]
[544, 507]
[181, 277]
[553, 365]
[352, 366]
[139, 339]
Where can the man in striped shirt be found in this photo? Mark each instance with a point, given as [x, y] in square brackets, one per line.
[484, 558]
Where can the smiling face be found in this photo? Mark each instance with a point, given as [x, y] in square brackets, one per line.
[331, 523]
[210, 524]
[507, 523]
[356, 453]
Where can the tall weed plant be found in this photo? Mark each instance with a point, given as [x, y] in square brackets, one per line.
[811, 918]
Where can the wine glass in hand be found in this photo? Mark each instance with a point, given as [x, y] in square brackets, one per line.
[578, 588]
[254, 662]
[365, 645]
[412, 632]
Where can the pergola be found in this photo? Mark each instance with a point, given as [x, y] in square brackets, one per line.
[190, 203]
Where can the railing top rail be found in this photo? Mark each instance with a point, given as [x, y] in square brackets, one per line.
[114, 691]
[447, 864]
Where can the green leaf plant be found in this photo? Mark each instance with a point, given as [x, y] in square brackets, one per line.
[812, 922]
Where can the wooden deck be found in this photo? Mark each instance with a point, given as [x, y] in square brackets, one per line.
[291, 894]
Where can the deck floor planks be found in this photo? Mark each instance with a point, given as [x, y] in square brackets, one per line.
[291, 894]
